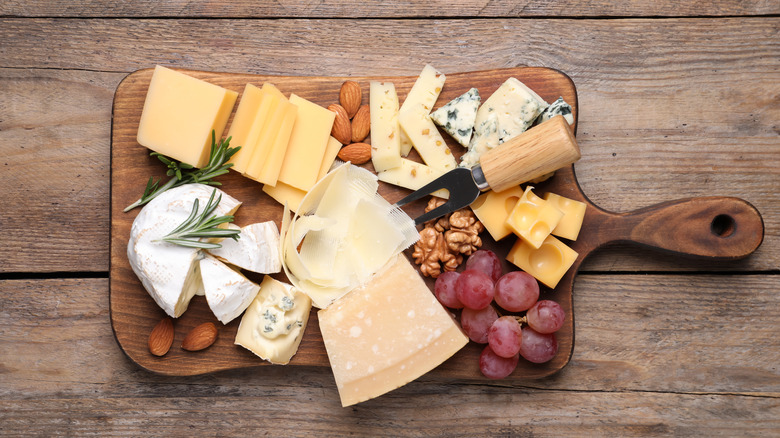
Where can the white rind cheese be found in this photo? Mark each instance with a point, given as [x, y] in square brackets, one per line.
[256, 250]
[273, 325]
[387, 333]
[170, 273]
[457, 117]
[228, 293]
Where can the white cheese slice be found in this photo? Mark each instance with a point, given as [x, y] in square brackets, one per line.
[516, 107]
[170, 273]
[422, 97]
[273, 325]
[457, 117]
[228, 293]
[256, 250]
[412, 175]
[485, 138]
[385, 137]
[387, 333]
[426, 139]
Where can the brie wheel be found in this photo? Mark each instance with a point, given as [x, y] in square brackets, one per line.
[228, 293]
[171, 273]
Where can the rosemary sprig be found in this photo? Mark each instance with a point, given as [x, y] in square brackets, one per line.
[199, 225]
[184, 173]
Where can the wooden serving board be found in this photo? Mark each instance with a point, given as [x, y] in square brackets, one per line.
[723, 228]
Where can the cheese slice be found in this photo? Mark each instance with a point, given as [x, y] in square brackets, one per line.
[269, 99]
[244, 117]
[228, 293]
[273, 325]
[180, 112]
[387, 333]
[170, 273]
[256, 250]
[423, 94]
[426, 140]
[308, 141]
[412, 175]
[385, 139]
[267, 171]
[269, 126]
[457, 117]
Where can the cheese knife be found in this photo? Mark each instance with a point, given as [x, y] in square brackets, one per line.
[536, 152]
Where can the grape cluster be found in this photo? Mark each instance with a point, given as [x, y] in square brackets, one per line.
[476, 289]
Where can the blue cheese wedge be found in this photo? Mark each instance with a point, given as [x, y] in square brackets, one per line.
[457, 117]
[516, 107]
[485, 138]
[273, 325]
[557, 108]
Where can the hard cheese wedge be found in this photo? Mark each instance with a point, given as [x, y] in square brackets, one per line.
[180, 113]
[387, 333]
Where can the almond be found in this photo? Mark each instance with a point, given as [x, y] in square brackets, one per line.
[357, 153]
[361, 124]
[350, 97]
[200, 337]
[161, 337]
[342, 127]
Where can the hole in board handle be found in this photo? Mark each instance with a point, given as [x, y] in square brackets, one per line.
[723, 225]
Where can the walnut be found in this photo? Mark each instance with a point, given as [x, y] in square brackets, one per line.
[443, 242]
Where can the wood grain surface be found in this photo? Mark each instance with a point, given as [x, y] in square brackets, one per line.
[670, 108]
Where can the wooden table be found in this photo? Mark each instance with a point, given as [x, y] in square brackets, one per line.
[675, 101]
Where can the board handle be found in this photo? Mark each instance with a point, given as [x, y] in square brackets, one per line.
[717, 227]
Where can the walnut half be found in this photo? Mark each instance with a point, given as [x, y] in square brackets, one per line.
[444, 241]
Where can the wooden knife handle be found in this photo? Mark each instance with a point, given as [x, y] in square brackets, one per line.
[536, 152]
[722, 228]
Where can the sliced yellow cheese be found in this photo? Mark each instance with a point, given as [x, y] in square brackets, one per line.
[308, 141]
[412, 175]
[331, 151]
[573, 215]
[387, 333]
[268, 101]
[427, 140]
[266, 133]
[244, 117]
[422, 96]
[180, 112]
[548, 263]
[271, 146]
[385, 139]
[532, 219]
[493, 209]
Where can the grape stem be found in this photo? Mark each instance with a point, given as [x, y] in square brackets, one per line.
[521, 319]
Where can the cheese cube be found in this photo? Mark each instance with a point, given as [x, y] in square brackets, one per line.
[274, 322]
[573, 215]
[180, 112]
[533, 218]
[387, 333]
[493, 209]
[385, 137]
[548, 263]
[308, 141]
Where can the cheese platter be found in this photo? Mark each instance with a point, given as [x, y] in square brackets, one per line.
[714, 227]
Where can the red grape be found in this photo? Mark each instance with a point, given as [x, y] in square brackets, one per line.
[474, 289]
[494, 366]
[516, 291]
[444, 288]
[486, 261]
[537, 347]
[476, 323]
[546, 316]
[505, 336]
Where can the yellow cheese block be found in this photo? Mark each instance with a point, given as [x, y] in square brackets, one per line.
[244, 117]
[385, 137]
[387, 333]
[533, 218]
[269, 174]
[180, 113]
[547, 264]
[308, 142]
[573, 215]
[268, 101]
[493, 209]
